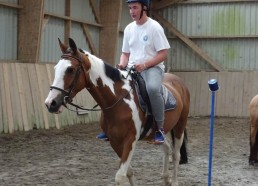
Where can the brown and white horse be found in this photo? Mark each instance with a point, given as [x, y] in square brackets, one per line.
[121, 117]
[253, 110]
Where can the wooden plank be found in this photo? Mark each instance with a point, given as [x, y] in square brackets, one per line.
[247, 95]
[35, 96]
[15, 99]
[50, 75]
[89, 39]
[27, 94]
[45, 22]
[22, 98]
[41, 79]
[188, 42]
[95, 11]
[204, 95]
[3, 112]
[72, 19]
[221, 98]
[239, 83]
[8, 99]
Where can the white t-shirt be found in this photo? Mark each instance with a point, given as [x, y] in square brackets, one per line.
[144, 41]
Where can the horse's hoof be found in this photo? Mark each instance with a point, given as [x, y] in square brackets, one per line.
[183, 162]
[253, 162]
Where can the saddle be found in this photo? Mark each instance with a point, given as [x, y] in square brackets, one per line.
[144, 101]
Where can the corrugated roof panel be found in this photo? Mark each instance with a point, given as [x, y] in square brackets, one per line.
[81, 10]
[227, 32]
[55, 7]
[8, 33]
[50, 50]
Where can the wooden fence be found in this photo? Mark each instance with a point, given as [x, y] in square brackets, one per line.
[236, 89]
[24, 87]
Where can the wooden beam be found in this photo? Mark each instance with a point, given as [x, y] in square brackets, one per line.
[110, 13]
[30, 28]
[9, 5]
[68, 23]
[89, 39]
[71, 19]
[95, 10]
[188, 42]
[156, 5]
[216, 1]
[45, 21]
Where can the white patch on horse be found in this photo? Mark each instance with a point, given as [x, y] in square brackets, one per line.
[98, 71]
[60, 69]
[135, 114]
[122, 172]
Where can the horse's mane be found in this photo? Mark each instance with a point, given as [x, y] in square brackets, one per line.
[110, 71]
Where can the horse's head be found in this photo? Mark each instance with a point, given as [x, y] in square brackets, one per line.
[69, 77]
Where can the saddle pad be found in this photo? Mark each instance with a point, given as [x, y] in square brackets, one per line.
[169, 99]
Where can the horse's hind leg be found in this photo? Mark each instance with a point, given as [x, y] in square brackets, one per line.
[253, 143]
[166, 149]
[176, 156]
[183, 149]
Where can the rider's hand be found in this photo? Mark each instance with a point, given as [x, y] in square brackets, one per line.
[140, 67]
[118, 66]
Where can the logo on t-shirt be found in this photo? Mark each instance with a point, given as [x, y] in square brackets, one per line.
[145, 38]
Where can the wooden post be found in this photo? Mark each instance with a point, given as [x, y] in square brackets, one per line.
[30, 23]
[110, 13]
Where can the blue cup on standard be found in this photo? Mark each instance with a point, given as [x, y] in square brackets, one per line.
[213, 85]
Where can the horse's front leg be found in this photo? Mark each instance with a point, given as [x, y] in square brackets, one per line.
[130, 175]
[125, 170]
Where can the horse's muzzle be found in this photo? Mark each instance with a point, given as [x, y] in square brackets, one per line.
[54, 106]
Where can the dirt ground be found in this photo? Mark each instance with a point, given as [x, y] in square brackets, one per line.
[72, 156]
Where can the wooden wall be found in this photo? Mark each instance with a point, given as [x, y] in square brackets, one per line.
[24, 87]
[236, 89]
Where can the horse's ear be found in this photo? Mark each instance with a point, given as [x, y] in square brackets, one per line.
[62, 46]
[72, 45]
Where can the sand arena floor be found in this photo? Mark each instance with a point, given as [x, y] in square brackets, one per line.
[72, 156]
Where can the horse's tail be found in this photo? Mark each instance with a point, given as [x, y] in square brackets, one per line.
[183, 149]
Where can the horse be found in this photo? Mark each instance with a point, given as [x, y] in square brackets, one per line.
[253, 111]
[121, 117]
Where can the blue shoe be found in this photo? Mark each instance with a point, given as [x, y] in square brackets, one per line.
[159, 137]
[102, 136]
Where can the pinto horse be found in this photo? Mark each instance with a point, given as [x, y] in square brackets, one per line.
[121, 117]
[253, 110]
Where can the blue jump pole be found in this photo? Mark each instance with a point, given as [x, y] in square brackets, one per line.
[213, 85]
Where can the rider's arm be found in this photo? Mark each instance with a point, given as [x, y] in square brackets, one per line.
[161, 56]
[124, 60]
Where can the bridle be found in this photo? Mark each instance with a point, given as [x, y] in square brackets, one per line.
[68, 99]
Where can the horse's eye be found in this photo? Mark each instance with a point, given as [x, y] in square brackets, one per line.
[70, 70]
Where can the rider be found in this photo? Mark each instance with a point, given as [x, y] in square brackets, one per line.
[145, 47]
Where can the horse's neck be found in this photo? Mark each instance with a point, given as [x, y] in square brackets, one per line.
[104, 95]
